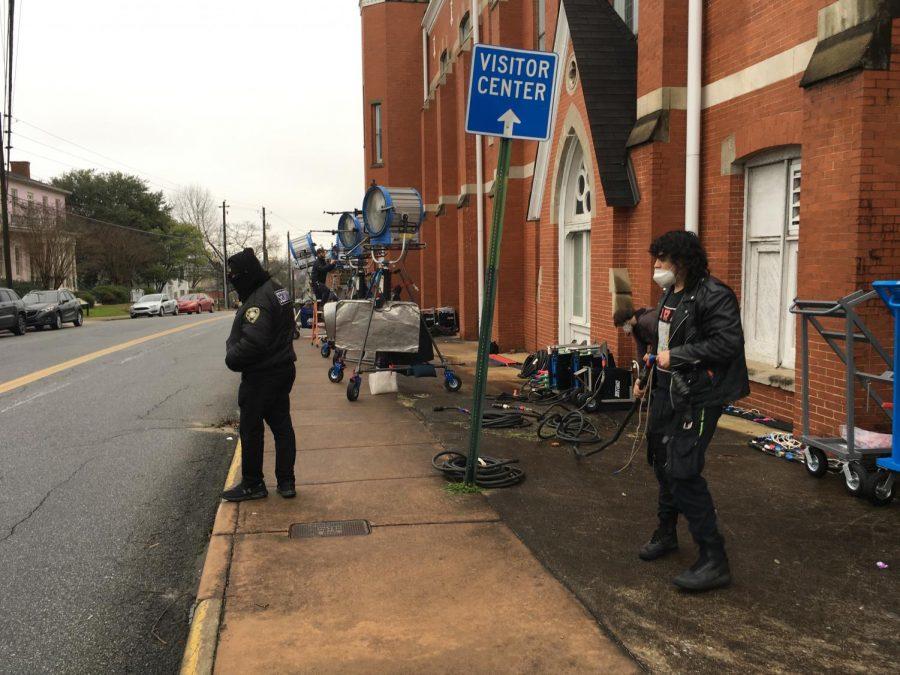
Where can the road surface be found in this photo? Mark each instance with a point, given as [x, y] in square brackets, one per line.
[109, 471]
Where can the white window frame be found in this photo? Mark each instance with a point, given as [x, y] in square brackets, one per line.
[377, 133]
[622, 7]
[570, 224]
[786, 243]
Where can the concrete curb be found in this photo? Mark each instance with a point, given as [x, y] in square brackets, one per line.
[200, 649]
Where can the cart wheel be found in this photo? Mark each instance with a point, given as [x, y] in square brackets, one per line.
[335, 374]
[592, 405]
[452, 382]
[296, 333]
[326, 350]
[817, 463]
[858, 479]
[883, 484]
[353, 389]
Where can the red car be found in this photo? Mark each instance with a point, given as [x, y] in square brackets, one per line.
[195, 303]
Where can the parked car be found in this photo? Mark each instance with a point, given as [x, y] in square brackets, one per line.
[195, 303]
[158, 304]
[52, 308]
[12, 312]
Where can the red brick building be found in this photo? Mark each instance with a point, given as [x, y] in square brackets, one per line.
[799, 162]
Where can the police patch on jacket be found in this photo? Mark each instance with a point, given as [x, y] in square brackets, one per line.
[283, 296]
[252, 314]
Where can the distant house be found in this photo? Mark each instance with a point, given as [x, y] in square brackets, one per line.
[41, 251]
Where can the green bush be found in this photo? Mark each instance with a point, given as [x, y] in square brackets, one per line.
[88, 297]
[23, 287]
[112, 295]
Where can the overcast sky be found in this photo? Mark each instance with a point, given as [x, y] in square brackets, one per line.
[258, 101]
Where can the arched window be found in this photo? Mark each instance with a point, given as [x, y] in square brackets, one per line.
[576, 207]
[465, 28]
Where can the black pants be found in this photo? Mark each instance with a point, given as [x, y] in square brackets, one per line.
[676, 448]
[266, 397]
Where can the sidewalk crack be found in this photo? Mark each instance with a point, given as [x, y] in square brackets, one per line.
[33, 511]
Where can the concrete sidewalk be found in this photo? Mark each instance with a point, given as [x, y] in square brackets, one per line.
[440, 584]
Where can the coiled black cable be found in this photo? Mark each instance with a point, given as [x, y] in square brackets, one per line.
[498, 419]
[490, 472]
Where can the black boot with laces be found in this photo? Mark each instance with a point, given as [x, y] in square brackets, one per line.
[710, 571]
[663, 541]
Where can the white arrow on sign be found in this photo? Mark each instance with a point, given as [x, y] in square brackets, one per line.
[509, 120]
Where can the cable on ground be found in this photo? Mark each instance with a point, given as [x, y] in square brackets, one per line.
[490, 472]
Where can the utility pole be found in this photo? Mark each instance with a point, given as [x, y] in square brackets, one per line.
[9, 85]
[4, 191]
[265, 250]
[224, 208]
[4, 185]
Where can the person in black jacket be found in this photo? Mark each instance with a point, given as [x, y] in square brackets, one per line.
[261, 348]
[641, 325]
[320, 270]
[700, 366]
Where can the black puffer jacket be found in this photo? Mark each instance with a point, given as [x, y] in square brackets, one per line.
[707, 343]
[263, 331]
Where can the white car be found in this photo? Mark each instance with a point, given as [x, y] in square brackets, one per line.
[158, 304]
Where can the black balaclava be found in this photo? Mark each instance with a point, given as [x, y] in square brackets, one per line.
[245, 273]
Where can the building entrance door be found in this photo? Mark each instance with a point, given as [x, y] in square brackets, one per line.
[575, 248]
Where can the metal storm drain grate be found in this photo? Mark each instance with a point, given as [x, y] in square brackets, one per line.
[330, 528]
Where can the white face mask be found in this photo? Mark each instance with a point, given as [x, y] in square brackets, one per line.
[627, 328]
[664, 278]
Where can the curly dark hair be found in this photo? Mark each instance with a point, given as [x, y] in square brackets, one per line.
[684, 250]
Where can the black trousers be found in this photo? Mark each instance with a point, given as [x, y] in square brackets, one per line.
[266, 397]
[676, 448]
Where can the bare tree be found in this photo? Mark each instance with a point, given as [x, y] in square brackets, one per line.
[194, 205]
[49, 244]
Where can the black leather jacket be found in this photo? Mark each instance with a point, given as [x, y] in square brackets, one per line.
[321, 269]
[262, 335]
[706, 343]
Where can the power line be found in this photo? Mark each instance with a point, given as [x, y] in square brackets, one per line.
[93, 152]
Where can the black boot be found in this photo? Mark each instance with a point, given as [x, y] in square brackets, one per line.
[663, 541]
[244, 491]
[710, 571]
[286, 489]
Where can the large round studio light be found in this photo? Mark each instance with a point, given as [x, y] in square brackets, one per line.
[392, 216]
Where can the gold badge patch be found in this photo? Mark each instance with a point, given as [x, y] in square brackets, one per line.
[252, 314]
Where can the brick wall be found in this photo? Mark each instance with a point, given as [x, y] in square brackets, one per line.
[848, 130]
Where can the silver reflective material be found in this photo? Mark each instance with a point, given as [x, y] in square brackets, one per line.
[394, 328]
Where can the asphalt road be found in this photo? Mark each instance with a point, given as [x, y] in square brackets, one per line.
[109, 473]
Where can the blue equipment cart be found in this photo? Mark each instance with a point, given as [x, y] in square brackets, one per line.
[889, 292]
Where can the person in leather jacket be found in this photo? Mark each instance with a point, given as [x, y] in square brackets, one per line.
[320, 270]
[261, 348]
[700, 366]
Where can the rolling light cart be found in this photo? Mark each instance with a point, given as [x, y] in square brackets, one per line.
[391, 220]
[862, 477]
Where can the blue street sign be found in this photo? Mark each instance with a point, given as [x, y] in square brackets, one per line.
[511, 93]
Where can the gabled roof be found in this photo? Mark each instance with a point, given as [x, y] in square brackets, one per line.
[22, 180]
[606, 53]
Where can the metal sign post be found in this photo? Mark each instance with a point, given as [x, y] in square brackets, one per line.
[511, 95]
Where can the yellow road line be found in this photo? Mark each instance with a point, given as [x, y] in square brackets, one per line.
[65, 365]
[231, 478]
